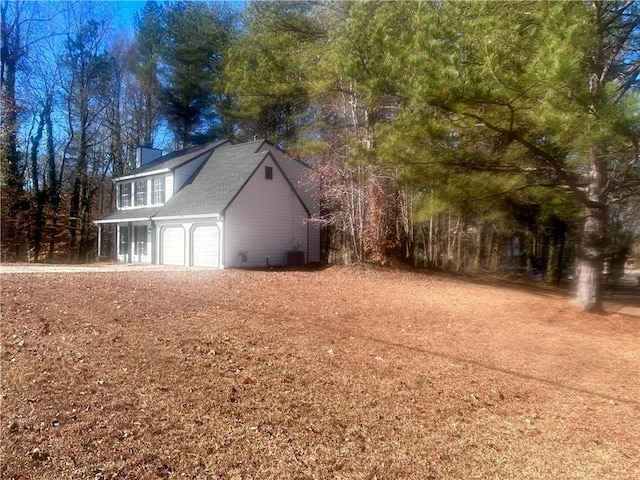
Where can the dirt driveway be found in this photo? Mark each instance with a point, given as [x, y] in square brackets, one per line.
[86, 268]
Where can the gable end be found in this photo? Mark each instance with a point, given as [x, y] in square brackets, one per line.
[258, 168]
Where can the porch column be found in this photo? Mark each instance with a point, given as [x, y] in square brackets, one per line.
[157, 234]
[131, 239]
[187, 243]
[152, 239]
[99, 241]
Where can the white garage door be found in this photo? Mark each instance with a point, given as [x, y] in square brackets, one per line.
[206, 246]
[173, 246]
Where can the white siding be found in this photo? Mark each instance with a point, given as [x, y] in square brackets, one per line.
[168, 187]
[264, 221]
[306, 185]
[300, 177]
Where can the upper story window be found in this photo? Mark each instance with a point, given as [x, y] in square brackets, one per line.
[158, 190]
[125, 195]
[141, 192]
[268, 173]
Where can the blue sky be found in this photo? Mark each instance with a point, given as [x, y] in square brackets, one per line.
[125, 11]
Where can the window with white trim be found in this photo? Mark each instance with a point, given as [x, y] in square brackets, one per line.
[141, 192]
[158, 190]
[125, 195]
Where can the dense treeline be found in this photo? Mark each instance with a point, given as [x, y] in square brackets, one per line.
[456, 135]
[78, 97]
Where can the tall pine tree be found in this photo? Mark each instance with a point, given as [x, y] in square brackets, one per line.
[538, 93]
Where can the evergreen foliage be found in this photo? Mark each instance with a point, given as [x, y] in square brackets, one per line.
[196, 38]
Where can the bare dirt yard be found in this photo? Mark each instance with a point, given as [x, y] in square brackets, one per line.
[342, 373]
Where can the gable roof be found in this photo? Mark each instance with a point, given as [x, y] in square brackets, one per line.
[211, 188]
[174, 159]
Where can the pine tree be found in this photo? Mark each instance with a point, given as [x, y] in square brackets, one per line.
[196, 41]
[536, 94]
[267, 74]
[144, 61]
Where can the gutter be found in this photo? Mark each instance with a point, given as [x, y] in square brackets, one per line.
[123, 220]
[143, 174]
[187, 217]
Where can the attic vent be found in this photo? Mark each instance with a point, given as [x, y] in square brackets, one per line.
[268, 173]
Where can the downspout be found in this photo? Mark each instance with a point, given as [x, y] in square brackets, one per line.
[223, 249]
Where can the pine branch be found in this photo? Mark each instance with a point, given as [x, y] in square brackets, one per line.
[549, 158]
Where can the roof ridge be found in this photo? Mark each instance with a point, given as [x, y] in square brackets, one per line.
[243, 144]
[177, 158]
[189, 150]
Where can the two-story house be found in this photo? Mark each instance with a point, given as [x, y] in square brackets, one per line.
[217, 205]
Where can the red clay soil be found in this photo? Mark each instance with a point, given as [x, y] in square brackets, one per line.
[342, 373]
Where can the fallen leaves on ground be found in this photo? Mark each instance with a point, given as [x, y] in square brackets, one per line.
[342, 373]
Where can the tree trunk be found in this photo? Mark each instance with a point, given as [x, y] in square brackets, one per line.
[591, 257]
[479, 244]
[12, 235]
[39, 194]
[555, 252]
[591, 262]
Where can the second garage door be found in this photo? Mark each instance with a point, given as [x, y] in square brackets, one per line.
[206, 246]
[173, 246]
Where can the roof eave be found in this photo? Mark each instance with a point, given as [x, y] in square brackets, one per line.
[122, 220]
[143, 174]
[188, 217]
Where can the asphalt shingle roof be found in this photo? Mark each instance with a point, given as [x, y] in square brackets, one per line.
[211, 189]
[128, 215]
[175, 159]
